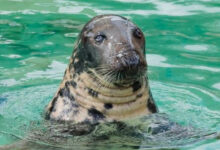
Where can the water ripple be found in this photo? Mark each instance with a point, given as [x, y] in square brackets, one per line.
[186, 101]
[217, 85]
[36, 39]
[197, 47]
[55, 71]
[160, 61]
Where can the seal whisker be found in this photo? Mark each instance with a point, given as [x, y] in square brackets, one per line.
[101, 78]
[109, 77]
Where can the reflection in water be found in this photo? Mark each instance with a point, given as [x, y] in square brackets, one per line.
[55, 71]
[217, 86]
[200, 47]
[160, 61]
[153, 131]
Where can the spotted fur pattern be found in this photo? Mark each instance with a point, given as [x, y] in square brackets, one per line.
[84, 97]
[80, 101]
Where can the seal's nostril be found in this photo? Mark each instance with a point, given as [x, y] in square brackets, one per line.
[134, 61]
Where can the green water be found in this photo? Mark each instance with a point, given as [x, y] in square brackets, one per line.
[183, 54]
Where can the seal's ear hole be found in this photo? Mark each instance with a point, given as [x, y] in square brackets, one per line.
[137, 33]
[100, 37]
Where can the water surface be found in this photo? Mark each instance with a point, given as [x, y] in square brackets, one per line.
[183, 54]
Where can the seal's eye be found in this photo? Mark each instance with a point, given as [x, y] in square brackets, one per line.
[137, 33]
[100, 38]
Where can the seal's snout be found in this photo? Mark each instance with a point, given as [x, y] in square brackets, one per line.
[128, 59]
[129, 62]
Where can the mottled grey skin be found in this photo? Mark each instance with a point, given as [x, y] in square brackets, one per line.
[117, 45]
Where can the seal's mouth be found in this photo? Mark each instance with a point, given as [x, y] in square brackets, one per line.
[118, 78]
[129, 76]
[125, 72]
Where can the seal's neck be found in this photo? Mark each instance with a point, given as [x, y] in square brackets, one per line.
[116, 102]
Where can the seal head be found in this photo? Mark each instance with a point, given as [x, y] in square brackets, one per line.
[114, 45]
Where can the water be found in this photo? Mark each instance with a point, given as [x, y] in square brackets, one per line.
[183, 54]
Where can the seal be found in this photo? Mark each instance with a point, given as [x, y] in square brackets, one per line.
[106, 77]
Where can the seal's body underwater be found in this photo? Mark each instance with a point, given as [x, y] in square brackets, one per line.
[106, 78]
